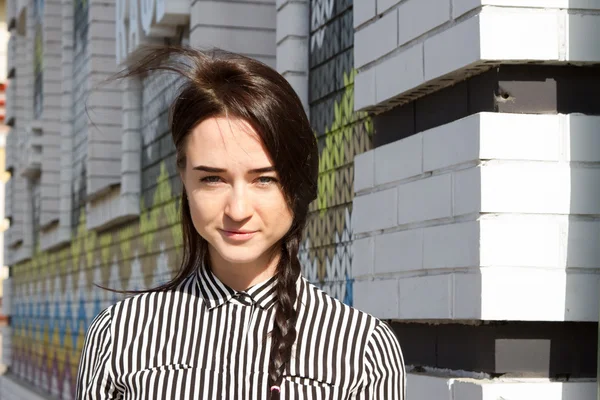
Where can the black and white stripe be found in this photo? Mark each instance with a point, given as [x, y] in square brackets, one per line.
[204, 340]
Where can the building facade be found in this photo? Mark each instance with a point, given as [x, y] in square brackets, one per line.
[458, 176]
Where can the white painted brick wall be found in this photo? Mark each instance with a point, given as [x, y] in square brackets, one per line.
[466, 191]
[483, 216]
[438, 58]
[246, 28]
[399, 73]
[376, 39]
[414, 304]
[459, 39]
[451, 246]
[364, 11]
[386, 204]
[532, 34]
[363, 257]
[416, 17]
[429, 387]
[364, 89]
[398, 160]
[425, 199]
[384, 304]
[364, 171]
[460, 7]
[398, 251]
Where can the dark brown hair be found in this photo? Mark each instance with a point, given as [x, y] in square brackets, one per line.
[218, 83]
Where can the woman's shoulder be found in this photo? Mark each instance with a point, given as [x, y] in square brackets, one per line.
[151, 300]
[316, 300]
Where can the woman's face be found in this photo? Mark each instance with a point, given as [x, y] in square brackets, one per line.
[236, 202]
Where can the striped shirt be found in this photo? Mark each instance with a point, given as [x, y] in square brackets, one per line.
[205, 340]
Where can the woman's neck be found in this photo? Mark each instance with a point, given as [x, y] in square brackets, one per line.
[241, 276]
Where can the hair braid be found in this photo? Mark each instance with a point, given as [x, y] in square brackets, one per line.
[284, 332]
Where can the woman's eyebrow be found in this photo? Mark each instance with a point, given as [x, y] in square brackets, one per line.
[215, 170]
[209, 169]
[261, 170]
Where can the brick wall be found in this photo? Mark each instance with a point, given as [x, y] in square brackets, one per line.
[472, 207]
[490, 217]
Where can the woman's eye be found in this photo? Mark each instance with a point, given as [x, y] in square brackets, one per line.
[265, 180]
[211, 179]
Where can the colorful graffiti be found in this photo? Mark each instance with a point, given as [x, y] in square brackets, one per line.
[326, 253]
[55, 297]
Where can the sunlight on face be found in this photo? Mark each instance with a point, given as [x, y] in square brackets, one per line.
[236, 201]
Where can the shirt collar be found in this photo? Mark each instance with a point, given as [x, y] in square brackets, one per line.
[215, 293]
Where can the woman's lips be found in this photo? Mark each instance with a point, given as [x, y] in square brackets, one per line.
[238, 235]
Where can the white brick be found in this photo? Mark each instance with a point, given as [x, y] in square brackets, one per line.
[538, 295]
[416, 17]
[581, 243]
[427, 387]
[581, 29]
[452, 49]
[364, 171]
[364, 89]
[232, 14]
[292, 19]
[525, 187]
[451, 246]
[532, 35]
[470, 389]
[460, 7]
[466, 191]
[399, 160]
[300, 84]
[377, 297]
[290, 55]
[467, 297]
[362, 257]
[399, 251]
[425, 199]
[384, 5]
[363, 11]
[583, 138]
[375, 40]
[399, 73]
[385, 202]
[254, 42]
[433, 293]
[450, 144]
[520, 136]
[521, 242]
[540, 188]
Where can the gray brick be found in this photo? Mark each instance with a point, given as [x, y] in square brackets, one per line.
[425, 199]
[363, 11]
[364, 219]
[399, 251]
[416, 17]
[400, 73]
[375, 40]
[399, 160]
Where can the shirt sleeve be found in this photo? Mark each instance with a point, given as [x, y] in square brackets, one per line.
[384, 375]
[95, 380]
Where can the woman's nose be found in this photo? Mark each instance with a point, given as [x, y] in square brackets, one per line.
[238, 205]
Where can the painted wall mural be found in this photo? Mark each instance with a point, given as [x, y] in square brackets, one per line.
[327, 249]
[54, 293]
[55, 297]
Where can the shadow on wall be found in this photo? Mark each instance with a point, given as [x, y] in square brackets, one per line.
[582, 286]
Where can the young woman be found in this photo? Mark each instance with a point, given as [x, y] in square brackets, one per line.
[238, 321]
